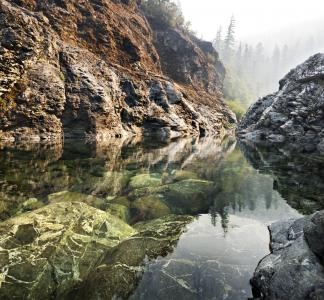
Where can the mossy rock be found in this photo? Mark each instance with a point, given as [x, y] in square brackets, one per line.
[147, 191]
[57, 246]
[179, 175]
[145, 180]
[32, 204]
[67, 196]
[119, 211]
[119, 272]
[122, 200]
[149, 208]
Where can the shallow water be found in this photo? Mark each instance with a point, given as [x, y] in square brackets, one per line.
[212, 257]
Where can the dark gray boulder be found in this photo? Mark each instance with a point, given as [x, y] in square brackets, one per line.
[293, 270]
[294, 116]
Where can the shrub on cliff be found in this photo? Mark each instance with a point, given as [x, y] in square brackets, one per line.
[165, 11]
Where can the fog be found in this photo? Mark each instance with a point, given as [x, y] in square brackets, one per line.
[254, 17]
[276, 35]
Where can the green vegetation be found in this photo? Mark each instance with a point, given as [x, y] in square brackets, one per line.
[62, 76]
[237, 108]
[165, 11]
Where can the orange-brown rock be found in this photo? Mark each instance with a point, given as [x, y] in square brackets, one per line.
[98, 68]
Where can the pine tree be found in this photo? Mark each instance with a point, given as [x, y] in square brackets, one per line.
[229, 42]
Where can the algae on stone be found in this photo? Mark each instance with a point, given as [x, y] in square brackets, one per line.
[150, 207]
[48, 251]
[119, 211]
[120, 271]
[145, 180]
[67, 196]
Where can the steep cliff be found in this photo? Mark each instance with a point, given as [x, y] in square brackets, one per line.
[96, 69]
[293, 117]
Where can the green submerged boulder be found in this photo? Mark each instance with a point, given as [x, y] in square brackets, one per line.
[50, 250]
[191, 196]
[145, 180]
[119, 211]
[67, 196]
[148, 208]
[179, 175]
[118, 274]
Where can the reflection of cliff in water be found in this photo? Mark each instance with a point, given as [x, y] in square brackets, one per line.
[102, 170]
[298, 178]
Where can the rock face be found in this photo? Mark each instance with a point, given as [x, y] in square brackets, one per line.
[294, 269]
[293, 117]
[93, 69]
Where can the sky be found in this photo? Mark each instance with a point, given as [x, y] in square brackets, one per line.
[255, 18]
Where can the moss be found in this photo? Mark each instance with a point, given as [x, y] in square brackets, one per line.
[122, 200]
[67, 196]
[180, 175]
[149, 208]
[145, 180]
[32, 204]
[62, 76]
[119, 211]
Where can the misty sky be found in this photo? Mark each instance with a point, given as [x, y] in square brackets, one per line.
[254, 18]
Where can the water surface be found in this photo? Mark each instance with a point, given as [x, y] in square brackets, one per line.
[214, 257]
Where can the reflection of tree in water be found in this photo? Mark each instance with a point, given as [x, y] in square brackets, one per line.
[220, 209]
[237, 187]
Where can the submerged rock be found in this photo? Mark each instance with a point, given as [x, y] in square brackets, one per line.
[120, 271]
[47, 252]
[148, 208]
[190, 196]
[294, 269]
[67, 196]
[145, 180]
[293, 117]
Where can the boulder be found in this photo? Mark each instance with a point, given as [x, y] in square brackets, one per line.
[294, 269]
[293, 116]
[148, 208]
[50, 250]
[145, 180]
[121, 270]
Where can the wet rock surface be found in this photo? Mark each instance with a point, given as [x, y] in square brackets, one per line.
[92, 70]
[294, 269]
[293, 116]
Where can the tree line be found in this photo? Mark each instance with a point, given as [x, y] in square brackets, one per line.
[254, 71]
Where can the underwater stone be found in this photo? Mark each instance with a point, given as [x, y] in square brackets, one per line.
[78, 197]
[150, 207]
[54, 248]
[145, 180]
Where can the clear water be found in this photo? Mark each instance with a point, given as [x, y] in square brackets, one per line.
[215, 255]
